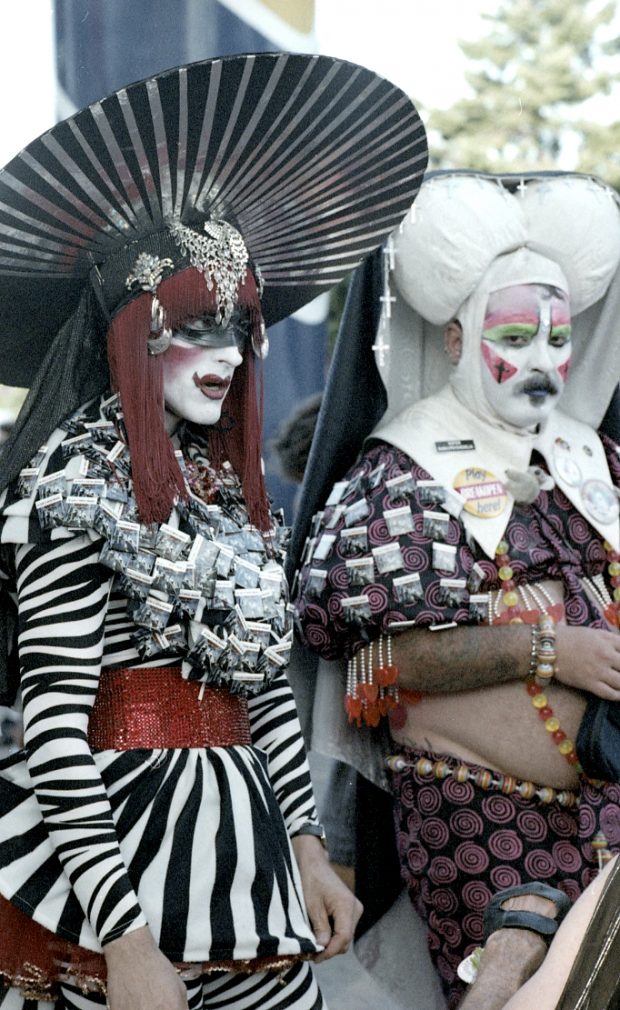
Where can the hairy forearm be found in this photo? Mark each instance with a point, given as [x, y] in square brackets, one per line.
[463, 658]
[510, 957]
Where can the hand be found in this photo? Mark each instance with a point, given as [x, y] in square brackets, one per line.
[589, 659]
[140, 977]
[346, 874]
[333, 910]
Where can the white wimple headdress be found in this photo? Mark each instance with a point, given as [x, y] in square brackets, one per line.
[459, 225]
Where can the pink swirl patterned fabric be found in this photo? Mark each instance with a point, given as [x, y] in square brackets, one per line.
[494, 841]
[547, 540]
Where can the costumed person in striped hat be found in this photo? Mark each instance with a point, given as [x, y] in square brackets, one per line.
[467, 566]
[160, 845]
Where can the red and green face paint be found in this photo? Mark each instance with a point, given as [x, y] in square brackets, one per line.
[500, 369]
[526, 349]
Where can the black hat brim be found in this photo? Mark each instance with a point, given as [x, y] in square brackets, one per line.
[314, 160]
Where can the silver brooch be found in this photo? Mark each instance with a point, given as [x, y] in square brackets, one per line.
[148, 271]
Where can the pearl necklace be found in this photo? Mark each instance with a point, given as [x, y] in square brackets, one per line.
[609, 602]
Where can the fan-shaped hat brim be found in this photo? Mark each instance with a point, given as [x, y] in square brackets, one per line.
[314, 160]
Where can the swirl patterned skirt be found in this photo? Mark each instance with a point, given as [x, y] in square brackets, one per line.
[459, 842]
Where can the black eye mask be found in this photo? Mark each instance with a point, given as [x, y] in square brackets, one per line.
[206, 332]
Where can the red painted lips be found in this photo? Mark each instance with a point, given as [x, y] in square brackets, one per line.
[214, 387]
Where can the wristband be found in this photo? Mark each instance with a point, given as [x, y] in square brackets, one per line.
[310, 828]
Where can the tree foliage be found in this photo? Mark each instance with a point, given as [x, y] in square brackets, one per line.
[532, 77]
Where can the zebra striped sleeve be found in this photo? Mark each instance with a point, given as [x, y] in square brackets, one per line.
[276, 730]
[62, 599]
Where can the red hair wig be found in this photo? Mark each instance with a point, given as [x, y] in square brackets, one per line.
[138, 377]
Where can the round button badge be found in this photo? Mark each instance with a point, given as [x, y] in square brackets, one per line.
[484, 494]
[567, 469]
[600, 500]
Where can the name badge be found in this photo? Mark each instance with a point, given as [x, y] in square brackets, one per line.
[455, 445]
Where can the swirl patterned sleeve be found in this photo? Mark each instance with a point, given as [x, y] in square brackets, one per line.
[385, 550]
[62, 598]
[276, 730]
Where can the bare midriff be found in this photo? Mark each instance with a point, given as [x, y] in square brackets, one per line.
[498, 727]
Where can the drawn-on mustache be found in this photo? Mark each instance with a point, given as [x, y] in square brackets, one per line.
[539, 385]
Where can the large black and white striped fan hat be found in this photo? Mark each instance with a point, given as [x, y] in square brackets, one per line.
[314, 159]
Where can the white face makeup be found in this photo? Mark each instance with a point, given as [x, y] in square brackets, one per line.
[525, 352]
[198, 369]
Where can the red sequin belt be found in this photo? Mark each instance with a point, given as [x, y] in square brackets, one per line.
[156, 708]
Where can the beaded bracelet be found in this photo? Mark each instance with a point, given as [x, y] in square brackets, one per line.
[546, 656]
[533, 651]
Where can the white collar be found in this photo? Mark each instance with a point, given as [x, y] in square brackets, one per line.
[423, 429]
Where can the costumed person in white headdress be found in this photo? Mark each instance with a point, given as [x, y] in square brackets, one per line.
[467, 566]
[160, 845]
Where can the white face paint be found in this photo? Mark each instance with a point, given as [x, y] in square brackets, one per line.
[197, 375]
[525, 352]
